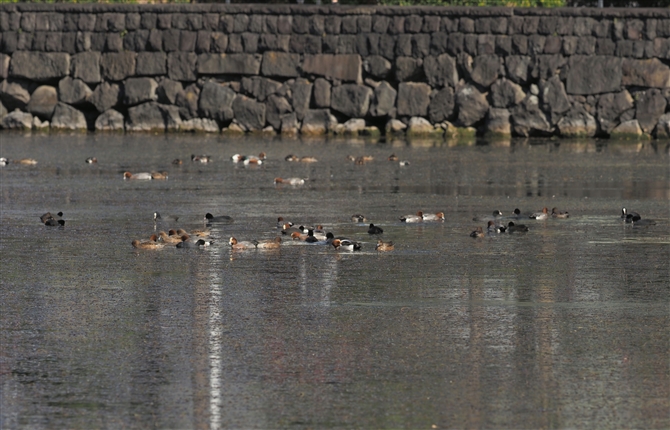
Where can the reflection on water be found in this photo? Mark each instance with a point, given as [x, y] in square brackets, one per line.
[564, 326]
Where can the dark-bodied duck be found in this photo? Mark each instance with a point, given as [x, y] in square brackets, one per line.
[384, 246]
[494, 229]
[52, 220]
[209, 218]
[555, 213]
[477, 232]
[373, 229]
[91, 160]
[628, 216]
[514, 228]
[358, 218]
[204, 159]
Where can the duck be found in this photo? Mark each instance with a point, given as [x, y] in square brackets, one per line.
[412, 218]
[384, 246]
[358, 218]
[540, 215]
[281, 222]
[477, 232]
[393, 157]
[288, 228]
[434, 217]
[177, 162]
[373, 229]
[269, 244]
[51, 220]
[159, 176]
[346, 244]
[555, 213]
[174, 239]
[296, 235]
[513, 228]
[151, 243]
[496, 215]
[289, 181]
[236, 244]
[252, 159]
[516, 214]
[200, 243]
[4, 161]
[209, 218]
[493, 228]
[91, 160]
[26, 161]
[308, 159]
[204, 159]
[310, 237]
[628, 216]
[143, 176]
[291, 157]
[157, 216]
[403, 163]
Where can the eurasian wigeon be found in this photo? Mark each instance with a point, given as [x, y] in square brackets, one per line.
[177, 162]
[26, 161]
[281, 222]
[346, 244]
[514, 228]
[152, 243]
[358, 218]
[434, 217]
[51, 220]
[143, 176]
[289, 228]
[91, 160]
[393, 157]
[269, 244]
[173, 240]
[308, 159]
[412, 218]
[296, 235]
[384, 246]
[290, 181]
[477, 232]
[555, 213]
[493, 228]
[209, 218]
[540, 215]
[495, 216]
[159, 176]
[373, 229]
[236, 244]
[204, 159]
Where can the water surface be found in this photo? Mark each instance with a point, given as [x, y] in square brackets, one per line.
[564, 326]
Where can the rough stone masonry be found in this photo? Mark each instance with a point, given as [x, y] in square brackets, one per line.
[311, 70]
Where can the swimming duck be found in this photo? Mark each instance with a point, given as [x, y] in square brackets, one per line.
[26, 161]
[310, 237]
[177, 162]
[290, 181]
[346, 244]
[157, 216]
[373, 229]
[384, 246]
[393, 157]
[358, 218]
[204, 159]
[143, 176]
[540, 215]
[296, 235]
[269, 244]
[434, 217]
[555, 213]
[289, 229]
[516, 214]
[159, 176]
[152, 243]
[478, 232]
[403, 163]
[628, 216]
[236, 244]
[209, 218]
[495, 216]
[4, 161]
[51, 220]
[513, 228]
[91, 160]
[173, 240]
[200, 243]
[493, 228]
[412, 218]
[281, 222]
[308, 159]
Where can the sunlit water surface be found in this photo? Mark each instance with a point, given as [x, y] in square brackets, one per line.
[564, 326]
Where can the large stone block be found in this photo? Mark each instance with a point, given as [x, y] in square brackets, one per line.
[383, 100]
[4, 66]
[280, 64]
[505, 93]
[105, 96]
[86, 66]
[167, 91]
[594, 74]
[39, 66]
[645, 73]
[351, 100]
[187, 101]
[151, 64]
[139, 90]
[649, 107]
[228, 64]
[73, 91]
[260, 88]
[275, 108]
[472, 105]
[611, 106]
[14, 94]
[43, 102]
[249, 113]
[529, 120]
[554, 99]
[146, 117]
[347, 68]
[518, 68]
[181, 66]
[322, 93]
[441, 106]
[110, 120]
[577, 123]
[408, 69]
[216, 102]
[302, 95]
[65, 117]
[377, 66]
[441, 71]
[117, 66]
[316, 122]
[498, 122]
[17, 120]
[413, 99]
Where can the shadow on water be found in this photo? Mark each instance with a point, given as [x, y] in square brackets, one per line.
[562, 326]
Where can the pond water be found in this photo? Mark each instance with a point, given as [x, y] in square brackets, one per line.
[563, 326]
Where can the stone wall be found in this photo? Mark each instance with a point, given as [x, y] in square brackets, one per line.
[336, 69]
